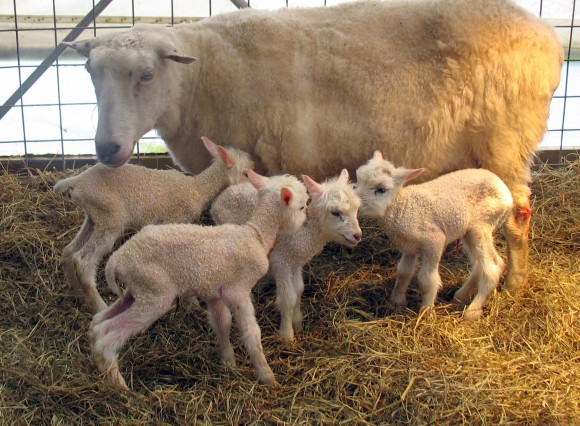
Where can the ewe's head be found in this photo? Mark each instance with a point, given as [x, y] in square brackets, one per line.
[377, 183]
[291, 195]
[135, 83]
[236, 161]
[335, 205]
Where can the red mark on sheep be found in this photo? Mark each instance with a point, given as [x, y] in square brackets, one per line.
[523, 215]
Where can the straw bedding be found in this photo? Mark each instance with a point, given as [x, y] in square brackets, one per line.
[358, 362]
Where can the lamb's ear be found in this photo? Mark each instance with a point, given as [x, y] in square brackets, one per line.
[286, 196]
[170, 52]
[314, 188]
[257, 181]
[84, 47]
[409, 174]
[378, 155]
[209, 145]
[343, 176]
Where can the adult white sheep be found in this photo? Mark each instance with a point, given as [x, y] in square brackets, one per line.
[441, 84]
[218, 264]
[130, 197]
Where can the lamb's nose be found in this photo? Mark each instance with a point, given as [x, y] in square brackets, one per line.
[358, 236]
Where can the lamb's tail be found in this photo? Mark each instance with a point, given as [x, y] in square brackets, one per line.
[111, 274]
[65, 186]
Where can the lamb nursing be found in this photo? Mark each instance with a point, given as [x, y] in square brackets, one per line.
[130, 197]
[421, 220]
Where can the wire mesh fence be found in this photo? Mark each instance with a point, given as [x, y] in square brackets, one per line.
[49, 107]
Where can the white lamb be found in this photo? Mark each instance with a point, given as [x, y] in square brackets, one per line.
[332, 216]
[130, 197]
[422, 219]
[218, 264]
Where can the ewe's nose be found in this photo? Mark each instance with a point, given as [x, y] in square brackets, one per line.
[107, 151]
[357, 236]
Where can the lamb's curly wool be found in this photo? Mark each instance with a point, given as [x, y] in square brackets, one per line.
[130, 197]
[332, 216]
[421, 220]
[219, 265]
[442, 84]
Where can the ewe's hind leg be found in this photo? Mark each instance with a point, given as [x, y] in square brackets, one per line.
[114, 326]
[220, 319]
[485, 259]
[86, 260]
[74, 246]
[405, 271]
[241, 306]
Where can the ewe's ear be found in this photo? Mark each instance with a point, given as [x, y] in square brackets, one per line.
[84, 47]
[257, 181]
[343, 176]
[286, 196]
[171, 53]
[378, 155]
[313, 187]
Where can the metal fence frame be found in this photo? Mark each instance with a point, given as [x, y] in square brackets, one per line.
[89, 22]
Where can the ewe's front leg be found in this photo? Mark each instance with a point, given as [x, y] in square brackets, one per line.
[241, 306]
[405, 271]
[220, 319]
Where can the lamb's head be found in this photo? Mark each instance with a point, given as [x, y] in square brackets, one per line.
[291, 194]
[335, 206]
[135, 79]
[377, 183]
[235, 160]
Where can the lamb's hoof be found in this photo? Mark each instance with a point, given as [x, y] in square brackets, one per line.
[229, 358]
[287, 334]
[399, 300]
[472, 314]
[117, 380]
[267, 378]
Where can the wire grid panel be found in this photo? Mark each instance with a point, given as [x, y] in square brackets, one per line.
[57, 115]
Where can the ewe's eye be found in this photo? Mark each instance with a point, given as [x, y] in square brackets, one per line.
[302, 208]
[146, 76]
[335, 213]
[380, 190]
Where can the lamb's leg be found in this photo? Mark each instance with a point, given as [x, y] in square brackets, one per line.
[298, 280]
[220, 319]
[87, 259]
[285, 298]
[114, 326]
[241, 306]
[405, 271]
[486, 259]
[467, 290]
[428, 276]
[76, 245]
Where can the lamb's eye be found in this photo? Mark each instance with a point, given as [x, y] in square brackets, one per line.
[335, 213]
[302, 208]
[380, 190]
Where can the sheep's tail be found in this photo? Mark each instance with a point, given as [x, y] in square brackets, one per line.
[111, 274]
[65, 186]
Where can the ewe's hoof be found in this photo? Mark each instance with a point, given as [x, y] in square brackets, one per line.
[460, 298]
[399, 300]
